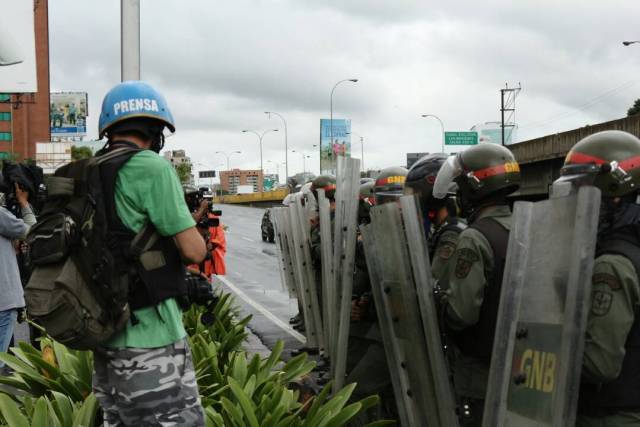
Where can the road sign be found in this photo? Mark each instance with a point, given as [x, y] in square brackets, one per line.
[5, 155]
[460, 138]
[207, 174]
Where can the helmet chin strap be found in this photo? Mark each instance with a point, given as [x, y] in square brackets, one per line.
[158, 143]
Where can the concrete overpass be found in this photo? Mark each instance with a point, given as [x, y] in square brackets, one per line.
[541, 158]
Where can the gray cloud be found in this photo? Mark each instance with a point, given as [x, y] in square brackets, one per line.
[221, 65]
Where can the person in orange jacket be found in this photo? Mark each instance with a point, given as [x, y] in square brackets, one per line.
[217, 246]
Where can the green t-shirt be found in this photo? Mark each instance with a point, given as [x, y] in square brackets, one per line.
[148, 189]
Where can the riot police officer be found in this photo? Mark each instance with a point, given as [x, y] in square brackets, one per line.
[610, 391]
[441, 222]
[485, 175]
[367, 361]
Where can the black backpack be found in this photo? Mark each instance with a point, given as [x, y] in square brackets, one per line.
[82, 255]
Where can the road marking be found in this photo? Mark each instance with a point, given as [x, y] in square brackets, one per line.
[248, 239]
[269, 315]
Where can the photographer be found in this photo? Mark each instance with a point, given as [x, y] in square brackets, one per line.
[12, 299]
[210, 228]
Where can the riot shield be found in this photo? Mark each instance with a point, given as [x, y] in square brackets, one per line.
[402, 286]
[306, 276]
[345, 235]
[326, 258]
[539, 340]
[281, 225]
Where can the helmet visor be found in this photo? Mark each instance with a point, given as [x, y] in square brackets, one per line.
[450, 170]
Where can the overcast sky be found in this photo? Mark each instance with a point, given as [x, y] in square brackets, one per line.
[222, 64]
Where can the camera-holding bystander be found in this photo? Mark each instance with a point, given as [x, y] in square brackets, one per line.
[12, 228]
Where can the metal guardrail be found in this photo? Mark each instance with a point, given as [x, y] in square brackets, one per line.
[265, 196]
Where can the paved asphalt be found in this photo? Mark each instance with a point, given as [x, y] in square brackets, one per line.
[253, 275]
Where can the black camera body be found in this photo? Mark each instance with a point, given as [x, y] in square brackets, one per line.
[29, 177]
[194, 199]
[200, 292]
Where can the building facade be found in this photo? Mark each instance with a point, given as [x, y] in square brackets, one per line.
[177, 158]
[230, 180]
[24, 118]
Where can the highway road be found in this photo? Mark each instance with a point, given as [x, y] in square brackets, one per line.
[253, 276]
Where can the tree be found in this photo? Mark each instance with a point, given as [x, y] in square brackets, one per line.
[79, 153]
[635, 109]
[184, 172]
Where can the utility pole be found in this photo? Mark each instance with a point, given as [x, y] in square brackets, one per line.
[508, 105]
[130, 39]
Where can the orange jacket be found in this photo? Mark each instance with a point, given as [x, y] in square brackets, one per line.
[219, 251]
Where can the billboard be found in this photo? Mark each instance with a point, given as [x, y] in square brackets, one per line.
[492, 132]
[68, 114]
[340, 146]
[17, 47]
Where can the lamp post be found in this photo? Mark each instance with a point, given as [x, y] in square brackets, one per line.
[331, 106]
[304, 167]
[441, 125]
[630, 42]
[361, 148]
[286, 146]
[260, 136]
[228, 155]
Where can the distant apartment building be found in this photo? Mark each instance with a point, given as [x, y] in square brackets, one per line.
[230, 180]
[178, 157]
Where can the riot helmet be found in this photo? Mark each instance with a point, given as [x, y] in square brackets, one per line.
[609, 160]
[481, 172]
[326, 183]
[135, 107]
[389, 184]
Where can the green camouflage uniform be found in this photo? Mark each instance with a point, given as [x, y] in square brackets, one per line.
[440, 264]
[469, 270]
[615, 301]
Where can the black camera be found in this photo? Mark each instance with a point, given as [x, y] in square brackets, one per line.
[200, 292]
[194, 198]
[29, 178]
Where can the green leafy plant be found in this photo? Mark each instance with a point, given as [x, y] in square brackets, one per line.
[236, 391]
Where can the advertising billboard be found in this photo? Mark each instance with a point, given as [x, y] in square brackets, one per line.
[339, 146]
[492, 132]
[17, 47]
[68, 114]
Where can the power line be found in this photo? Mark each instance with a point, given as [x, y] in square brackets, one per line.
[582, 107]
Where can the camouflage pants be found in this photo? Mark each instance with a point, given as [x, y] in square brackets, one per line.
[147, 386]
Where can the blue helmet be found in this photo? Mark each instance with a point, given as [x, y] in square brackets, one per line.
[132, 99]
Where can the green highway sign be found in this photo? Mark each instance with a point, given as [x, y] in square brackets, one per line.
[460, 138]
[5, 155]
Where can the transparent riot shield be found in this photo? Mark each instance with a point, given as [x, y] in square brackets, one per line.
[539, 340]
[306, 275]
[402, 286]
[280, 223]
[326, 259]
[345, 235]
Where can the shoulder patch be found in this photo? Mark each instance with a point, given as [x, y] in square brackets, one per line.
[468, 254]
[607, 279]
[601, 303]
[466, 258]
[445, 250]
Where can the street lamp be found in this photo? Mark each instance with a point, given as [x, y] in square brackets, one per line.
[228, 155]
[260, 136]
[361, 148]
[627, 42]
[304, 167]
[441, 125]
[286, 146]
[331, 106]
